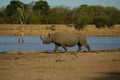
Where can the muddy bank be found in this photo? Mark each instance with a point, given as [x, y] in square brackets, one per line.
[46, 65]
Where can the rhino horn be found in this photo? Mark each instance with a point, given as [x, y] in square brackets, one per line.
[41, 38]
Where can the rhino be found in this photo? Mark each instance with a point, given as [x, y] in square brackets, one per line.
[64, 40]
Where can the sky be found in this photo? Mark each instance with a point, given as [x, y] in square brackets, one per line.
[71, 3]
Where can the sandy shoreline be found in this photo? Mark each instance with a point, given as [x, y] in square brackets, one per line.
[46, 65]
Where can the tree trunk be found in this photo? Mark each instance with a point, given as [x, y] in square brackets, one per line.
[22, 21]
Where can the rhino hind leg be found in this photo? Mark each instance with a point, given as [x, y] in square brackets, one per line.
[87, 46]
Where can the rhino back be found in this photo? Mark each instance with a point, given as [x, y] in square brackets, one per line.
[66, 39]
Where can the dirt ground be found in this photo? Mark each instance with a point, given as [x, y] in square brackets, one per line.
[46, 65]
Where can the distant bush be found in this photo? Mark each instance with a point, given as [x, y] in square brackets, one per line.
[40, 12]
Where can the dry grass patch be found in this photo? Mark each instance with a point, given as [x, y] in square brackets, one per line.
[92, 30]
[14, 29]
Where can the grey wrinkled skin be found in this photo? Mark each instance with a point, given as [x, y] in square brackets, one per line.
[66, 40]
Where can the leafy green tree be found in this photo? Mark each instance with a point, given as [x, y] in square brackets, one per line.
[33, 19]
[113, 16]
[41, 10]
[2, 15]
[41, 7]
[13, 7]
[99, 16]
[13, 11]
[90, 15]
[82, 16]
[60, 15]
[100, 21]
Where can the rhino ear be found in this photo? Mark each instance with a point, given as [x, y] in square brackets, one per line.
[49, 34]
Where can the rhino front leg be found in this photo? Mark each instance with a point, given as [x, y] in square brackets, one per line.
[56, 47]
[79, 47]
[64, 47]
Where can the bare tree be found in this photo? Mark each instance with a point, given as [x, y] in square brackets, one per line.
[22, 22]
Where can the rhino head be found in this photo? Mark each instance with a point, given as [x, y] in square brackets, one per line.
[46, 40]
